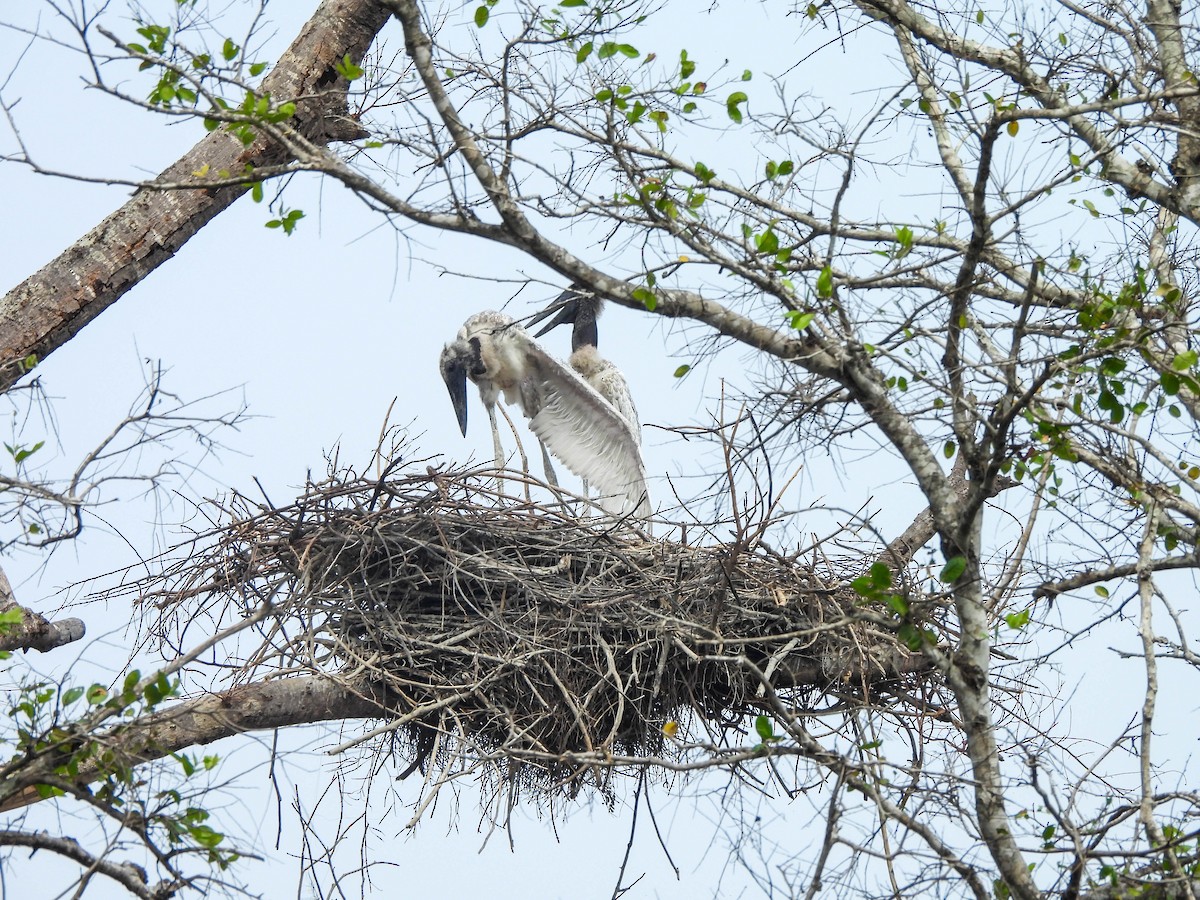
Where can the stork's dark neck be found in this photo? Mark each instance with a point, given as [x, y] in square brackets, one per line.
[585, 333]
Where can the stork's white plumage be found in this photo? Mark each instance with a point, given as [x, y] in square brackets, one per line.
[609, 383]
[581, 308]
[575, 422]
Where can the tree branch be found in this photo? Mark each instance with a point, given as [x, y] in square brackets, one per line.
[252, 707]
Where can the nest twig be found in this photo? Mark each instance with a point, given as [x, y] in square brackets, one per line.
[523, 635]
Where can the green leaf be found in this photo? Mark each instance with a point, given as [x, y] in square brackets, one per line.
[230, 50]
[1184, 361]
[863, 586]
[257, 69]
[910, 636]
[572, 3]
[682, 370]
[767, 242]
[351, 71]
[608, 49]
[481, 16]
[736, 99]
[646, 298]
[897, 604]
[825, 283]
[1019, 620]
[72, 694]
[953, 570]
[205, 836]
[1012, 128]
[799, 320]
[746, 75]
[628, 50]
[686, 66]
[21, 454]
[763, 728]
[583, 52]
[948, 449]
[880, 575]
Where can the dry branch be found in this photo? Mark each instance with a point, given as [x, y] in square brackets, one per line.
[36, 632]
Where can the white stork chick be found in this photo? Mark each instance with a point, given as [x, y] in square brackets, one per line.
[581, 308]
[578, 425]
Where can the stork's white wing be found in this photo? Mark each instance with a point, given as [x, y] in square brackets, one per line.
[584, 430]
[615, 389]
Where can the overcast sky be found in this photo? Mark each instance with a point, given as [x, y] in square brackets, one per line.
[321, 332]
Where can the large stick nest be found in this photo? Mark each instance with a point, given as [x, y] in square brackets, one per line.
[512, 631]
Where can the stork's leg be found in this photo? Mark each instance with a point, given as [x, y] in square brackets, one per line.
[517, 440]
[496, 446]
[520, 447]
[496, 438]
[551, 478]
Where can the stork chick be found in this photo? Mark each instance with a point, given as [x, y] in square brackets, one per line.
[568, 416]
[581, 308]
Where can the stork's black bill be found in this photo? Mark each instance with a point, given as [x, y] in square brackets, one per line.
[578, 307]
[567, 307]
[454, 372]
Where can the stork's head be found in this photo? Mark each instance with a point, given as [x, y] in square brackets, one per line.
[579, 306]
[455, 363]
[472, 354]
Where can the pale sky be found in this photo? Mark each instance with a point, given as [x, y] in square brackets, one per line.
[320, 332]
